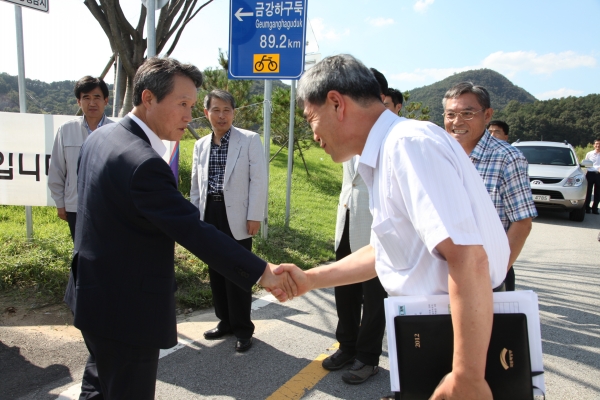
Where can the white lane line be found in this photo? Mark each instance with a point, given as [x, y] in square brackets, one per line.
[73, 392]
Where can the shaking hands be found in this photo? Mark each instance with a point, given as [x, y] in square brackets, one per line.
[285, 281]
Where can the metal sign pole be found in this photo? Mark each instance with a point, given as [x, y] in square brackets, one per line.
[151, 27]
[267, 130]
[288, 195]
[117, 88]
[22, 99]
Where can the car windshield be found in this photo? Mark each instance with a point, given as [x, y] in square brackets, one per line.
[548, 155]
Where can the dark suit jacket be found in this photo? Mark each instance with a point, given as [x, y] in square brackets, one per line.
[129, 216]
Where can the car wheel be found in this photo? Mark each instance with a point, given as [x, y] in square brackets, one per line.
[577, 215]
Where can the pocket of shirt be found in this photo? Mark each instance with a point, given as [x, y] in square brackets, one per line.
[391, 243]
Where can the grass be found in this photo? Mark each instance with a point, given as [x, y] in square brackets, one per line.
[41, 267]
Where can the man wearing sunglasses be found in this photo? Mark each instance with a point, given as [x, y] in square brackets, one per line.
[503, 168]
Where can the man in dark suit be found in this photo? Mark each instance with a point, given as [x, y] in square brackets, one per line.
[130, 214]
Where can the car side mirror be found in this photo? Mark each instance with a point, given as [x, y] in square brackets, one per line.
[586, 163]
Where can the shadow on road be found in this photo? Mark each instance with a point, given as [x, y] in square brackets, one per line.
[20, 377]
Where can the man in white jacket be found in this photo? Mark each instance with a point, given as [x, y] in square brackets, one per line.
[229, 187]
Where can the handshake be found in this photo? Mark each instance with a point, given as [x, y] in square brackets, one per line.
[285, 281]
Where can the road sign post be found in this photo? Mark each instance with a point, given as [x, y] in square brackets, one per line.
[267, 39]
[40, 5]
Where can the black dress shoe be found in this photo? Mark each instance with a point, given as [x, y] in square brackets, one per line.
[588, 210]
[243, 345]
[595, 212]
[215, 334]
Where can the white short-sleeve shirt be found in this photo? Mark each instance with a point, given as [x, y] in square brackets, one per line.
[423, 189]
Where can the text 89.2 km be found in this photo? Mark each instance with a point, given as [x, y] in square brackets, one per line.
[271, 42]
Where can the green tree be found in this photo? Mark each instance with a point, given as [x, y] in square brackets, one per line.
[128, 42]
[413, 109]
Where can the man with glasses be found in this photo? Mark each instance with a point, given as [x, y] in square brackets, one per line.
[229, 187]
[467, 111]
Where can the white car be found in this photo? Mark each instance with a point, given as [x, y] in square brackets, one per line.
[557, 180]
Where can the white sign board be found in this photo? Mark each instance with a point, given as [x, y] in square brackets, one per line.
[26, 142]
[40, 5]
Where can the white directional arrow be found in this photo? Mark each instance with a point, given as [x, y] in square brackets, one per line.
[239, 14]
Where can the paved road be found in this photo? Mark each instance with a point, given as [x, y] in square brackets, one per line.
[560, 262]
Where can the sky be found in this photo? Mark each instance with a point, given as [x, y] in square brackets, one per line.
[550, 48]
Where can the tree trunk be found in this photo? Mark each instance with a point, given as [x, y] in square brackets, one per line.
[128, 98]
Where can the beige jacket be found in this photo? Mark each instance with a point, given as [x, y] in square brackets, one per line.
[354, 187]
[244, 184]
[62, 174]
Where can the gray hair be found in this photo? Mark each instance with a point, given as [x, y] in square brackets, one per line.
[218, 94]
[342, 73]
[157, 75]
[483, 97]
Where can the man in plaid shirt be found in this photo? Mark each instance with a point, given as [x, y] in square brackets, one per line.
[503, 168]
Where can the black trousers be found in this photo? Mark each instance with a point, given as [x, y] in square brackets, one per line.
[90, 384]
[510, 280]
[358, 335]
[125, 371]
[232, 303]
[593, 180]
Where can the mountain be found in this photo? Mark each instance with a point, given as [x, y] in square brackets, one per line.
[57, 97]
[501, 90]
[42, 98]
[258, 87]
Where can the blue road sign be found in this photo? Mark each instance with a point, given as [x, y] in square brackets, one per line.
[266, 39]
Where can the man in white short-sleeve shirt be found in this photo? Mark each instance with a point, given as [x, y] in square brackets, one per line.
[430, 235]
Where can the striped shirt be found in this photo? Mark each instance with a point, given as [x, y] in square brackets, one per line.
[503, 169]
[424, 189]
[217, 163]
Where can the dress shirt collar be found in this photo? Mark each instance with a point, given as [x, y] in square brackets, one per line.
[224, 139]
[481, 146]
[89, 130]
[157, 144]
[379, 131]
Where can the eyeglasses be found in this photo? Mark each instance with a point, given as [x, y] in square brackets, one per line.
[465, 115]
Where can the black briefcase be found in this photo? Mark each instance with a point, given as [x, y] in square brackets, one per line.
[425, 345]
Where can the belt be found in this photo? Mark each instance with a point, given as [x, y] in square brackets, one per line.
[215, 197]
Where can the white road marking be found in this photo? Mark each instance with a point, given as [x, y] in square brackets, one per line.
[73, 392]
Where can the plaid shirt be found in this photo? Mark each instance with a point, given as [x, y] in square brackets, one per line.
[503, 169]
[216, 164]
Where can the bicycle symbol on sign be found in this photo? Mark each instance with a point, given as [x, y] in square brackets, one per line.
[271, 64]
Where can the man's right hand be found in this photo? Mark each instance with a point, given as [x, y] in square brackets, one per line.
[62, 213]
[299, 277]
[452, 387]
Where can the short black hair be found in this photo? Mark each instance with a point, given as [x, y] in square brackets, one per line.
[499, 123]
[157, 74]
[383, 83]
[219, 94]
[89, 83]
[396, 95]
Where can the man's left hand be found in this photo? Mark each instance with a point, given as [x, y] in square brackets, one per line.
[253, 227]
